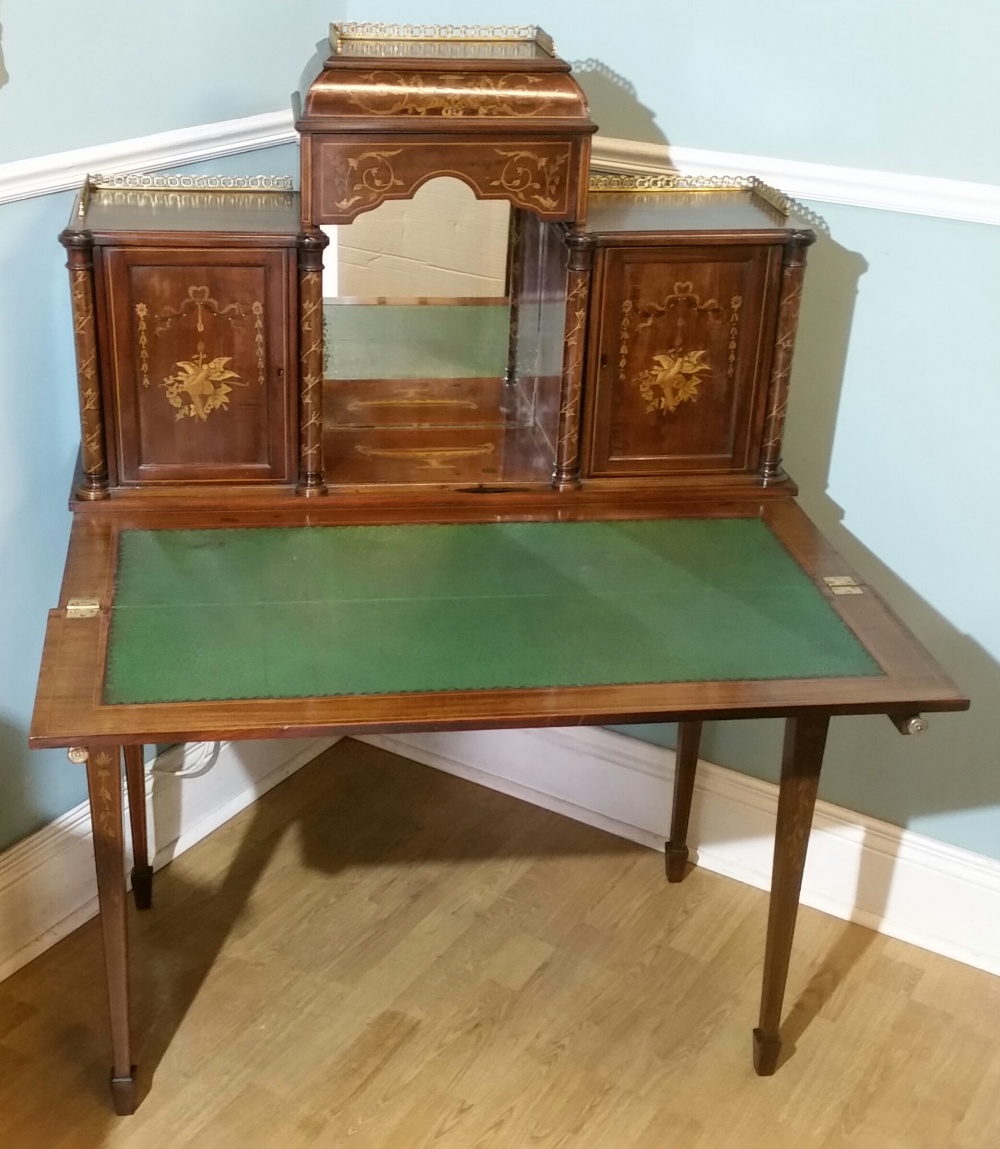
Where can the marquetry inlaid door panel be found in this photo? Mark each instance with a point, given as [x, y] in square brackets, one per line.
[199, 377]
[680, 350]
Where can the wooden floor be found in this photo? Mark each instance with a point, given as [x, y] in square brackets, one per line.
[377, 954]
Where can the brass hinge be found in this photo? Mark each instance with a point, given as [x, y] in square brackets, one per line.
[843, 584]
[83, 607]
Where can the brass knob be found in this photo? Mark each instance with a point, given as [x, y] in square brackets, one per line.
[909, 724]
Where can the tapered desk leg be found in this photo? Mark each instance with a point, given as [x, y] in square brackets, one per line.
[142, 871]
[686, 763]
[805, 740]
[104, 784]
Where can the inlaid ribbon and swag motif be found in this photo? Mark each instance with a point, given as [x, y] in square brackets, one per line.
[202, 384]
[675, 374]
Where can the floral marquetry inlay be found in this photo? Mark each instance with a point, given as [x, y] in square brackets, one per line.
[311, 357]
[198, 386]
[85, 338]
[355, 178]
[673, 379]
[201, 385]
[569, 414]
[142, 312]
[106, 799]
[676, 374]
[538, 179]
[371, 178]
[412, 94]
[432, 458]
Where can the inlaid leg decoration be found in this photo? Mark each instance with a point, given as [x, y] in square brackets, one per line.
[676, 850]
[104, 785]
[142, 871]
[805, 740]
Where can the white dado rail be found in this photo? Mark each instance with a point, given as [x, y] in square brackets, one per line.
[819, 183]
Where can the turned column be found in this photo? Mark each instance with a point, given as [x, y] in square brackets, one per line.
[581, 257]
[311, 362]
[80, 261]
[792, 271]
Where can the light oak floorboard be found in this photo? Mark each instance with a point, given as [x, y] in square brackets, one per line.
[377, 955]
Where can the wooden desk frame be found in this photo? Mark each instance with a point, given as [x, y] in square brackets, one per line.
[69, 712]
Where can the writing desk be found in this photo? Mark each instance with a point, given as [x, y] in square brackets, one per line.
[318, 617]
[577, 515]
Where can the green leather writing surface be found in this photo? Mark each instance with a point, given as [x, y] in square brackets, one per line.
[299, 611]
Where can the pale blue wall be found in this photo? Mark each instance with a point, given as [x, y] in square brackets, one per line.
[898, 85]
[83, 74]
[39, 441]
[897, 386]
[891, 437]
[79, 75]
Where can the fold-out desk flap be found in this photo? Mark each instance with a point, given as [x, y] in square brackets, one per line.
[261, 631]
[287, 612]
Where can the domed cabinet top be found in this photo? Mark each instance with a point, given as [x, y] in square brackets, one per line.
[396, 105]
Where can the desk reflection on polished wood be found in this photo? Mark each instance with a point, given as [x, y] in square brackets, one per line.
[496, 611]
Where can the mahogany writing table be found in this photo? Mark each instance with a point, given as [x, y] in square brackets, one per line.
[326, 618]
[297, 516]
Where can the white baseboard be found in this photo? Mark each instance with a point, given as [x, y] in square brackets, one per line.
[47, 882]
[824, 183]
[900, 883]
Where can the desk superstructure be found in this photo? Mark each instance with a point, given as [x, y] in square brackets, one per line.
[559, 504]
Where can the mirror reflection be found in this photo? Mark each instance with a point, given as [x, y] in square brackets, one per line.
[436, 368]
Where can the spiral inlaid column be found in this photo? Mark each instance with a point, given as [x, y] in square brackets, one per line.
[792, 272]
[93, 448]
[581, 256]
[311, 363]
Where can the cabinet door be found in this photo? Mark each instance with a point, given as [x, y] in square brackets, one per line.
[680, 358]
[199, 378]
